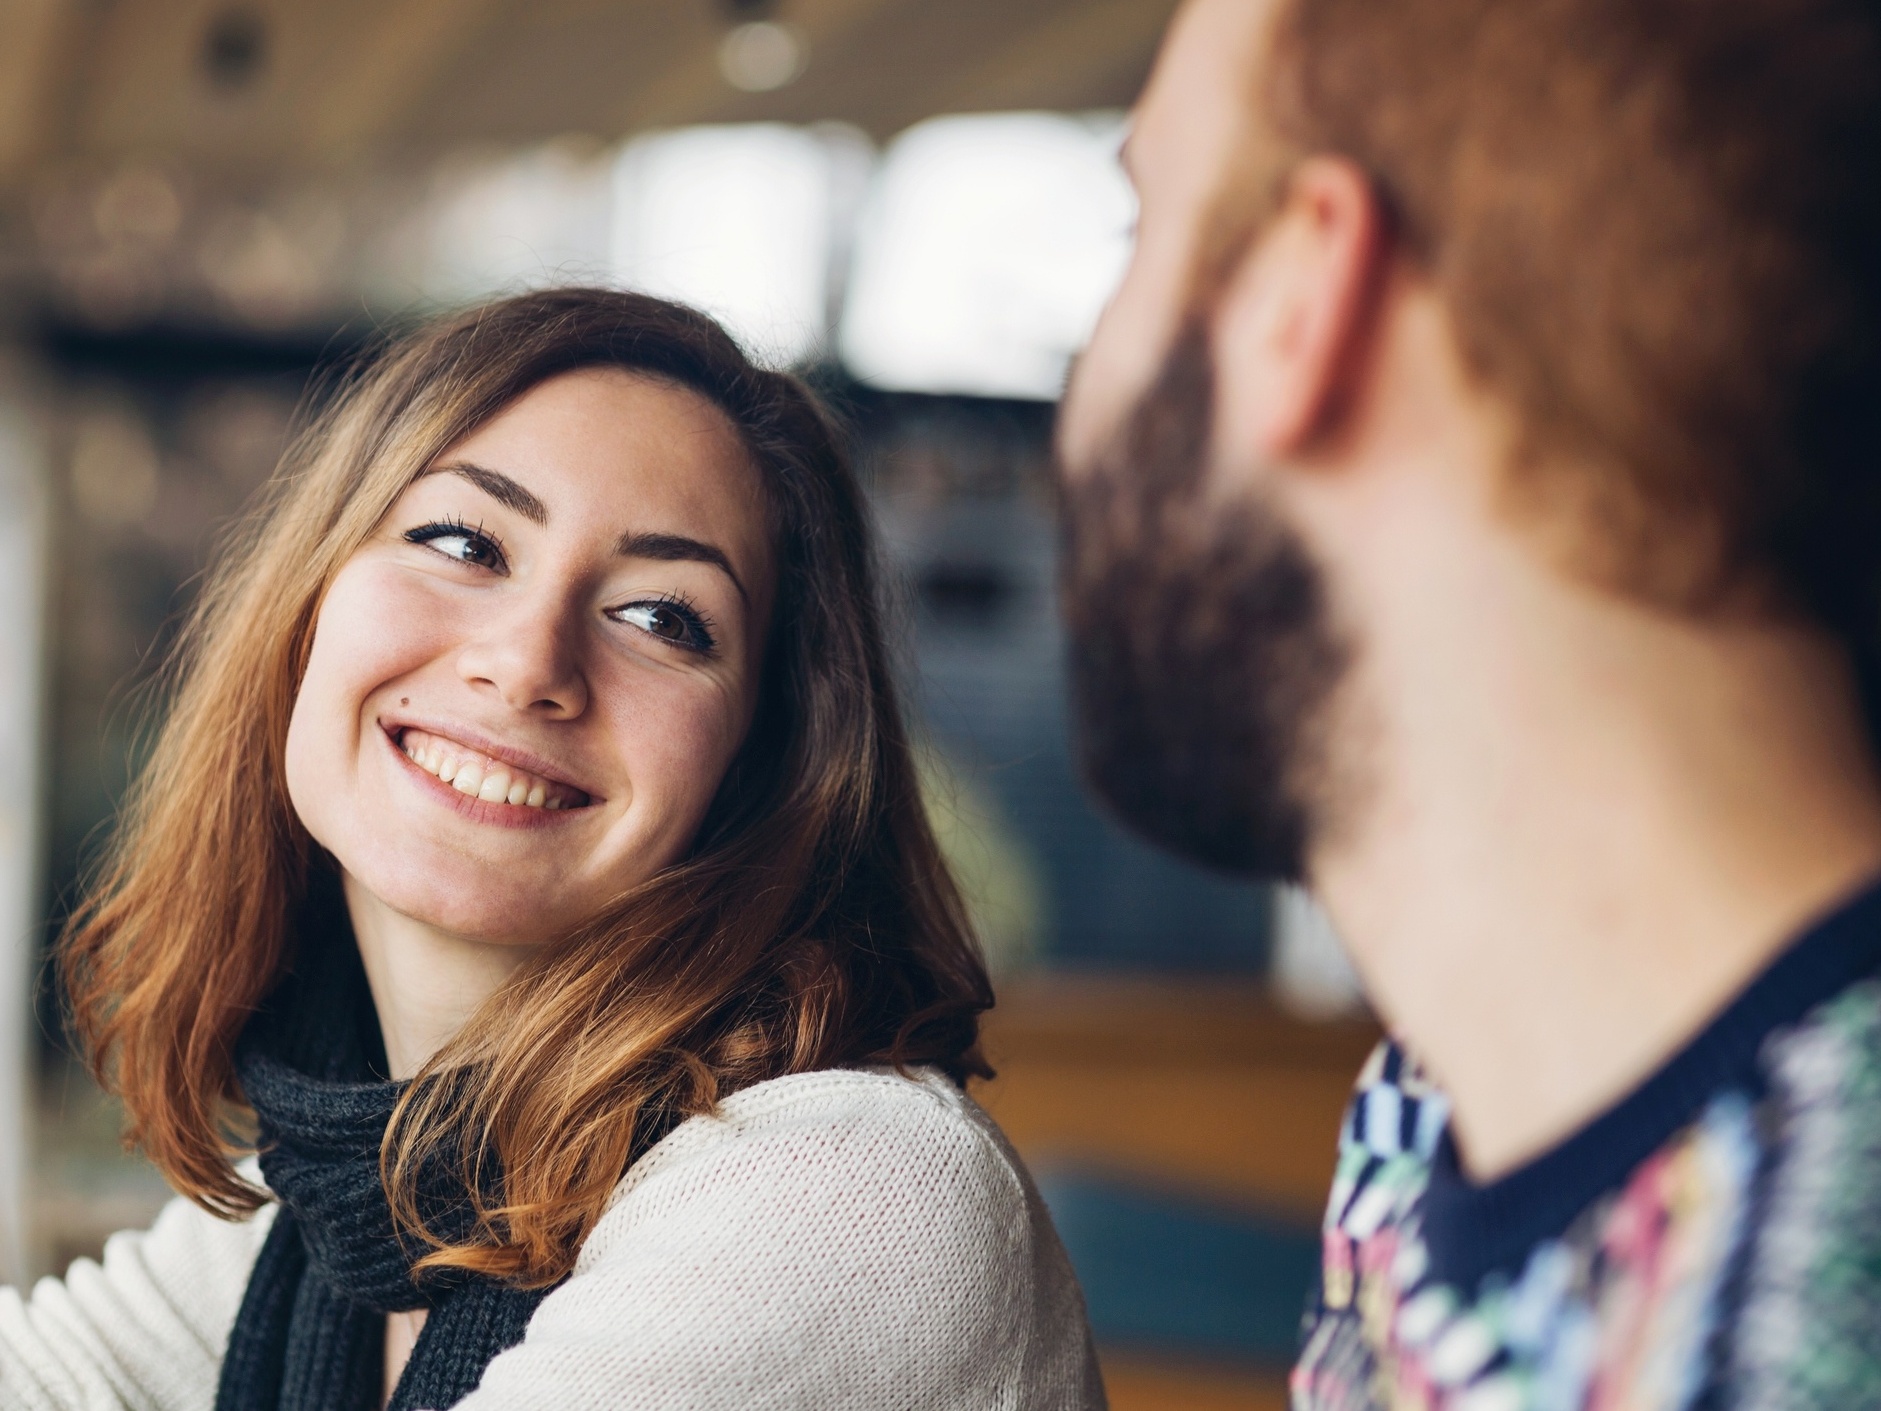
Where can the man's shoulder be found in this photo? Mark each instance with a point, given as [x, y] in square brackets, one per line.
[1811, 1287]
[1393, 1123]
[1743, 1248]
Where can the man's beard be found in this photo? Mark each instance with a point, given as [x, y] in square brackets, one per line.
[1202, 659]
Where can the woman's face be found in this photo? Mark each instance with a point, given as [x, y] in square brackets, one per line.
[525, 688]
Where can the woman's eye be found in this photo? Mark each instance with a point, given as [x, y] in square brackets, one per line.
[670, 622]
[464, 545]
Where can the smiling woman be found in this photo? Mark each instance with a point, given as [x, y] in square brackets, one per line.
[532, 871]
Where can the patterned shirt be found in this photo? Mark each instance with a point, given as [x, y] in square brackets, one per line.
[1713, 1241]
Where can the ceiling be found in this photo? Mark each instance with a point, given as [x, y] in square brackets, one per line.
[252, 87]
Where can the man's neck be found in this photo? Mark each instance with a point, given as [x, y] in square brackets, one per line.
[425, 982]
[1584, 827]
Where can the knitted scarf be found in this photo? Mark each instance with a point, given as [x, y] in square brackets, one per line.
[310, 1335]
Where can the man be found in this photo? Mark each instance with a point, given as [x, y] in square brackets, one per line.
[1473, 510]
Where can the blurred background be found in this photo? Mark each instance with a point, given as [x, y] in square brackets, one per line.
[202, 204]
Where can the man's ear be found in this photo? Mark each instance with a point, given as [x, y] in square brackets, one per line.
[1290, 316]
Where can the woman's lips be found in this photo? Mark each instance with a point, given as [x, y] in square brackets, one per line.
[478, 776]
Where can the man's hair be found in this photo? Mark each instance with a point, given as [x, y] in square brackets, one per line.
[1656, 226]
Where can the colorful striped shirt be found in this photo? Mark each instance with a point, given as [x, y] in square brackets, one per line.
[1712, 1241]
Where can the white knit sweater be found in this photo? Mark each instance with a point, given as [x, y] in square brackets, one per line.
[838, 1241]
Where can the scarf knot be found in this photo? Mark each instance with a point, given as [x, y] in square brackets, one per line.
[310, 1335]
[320, 1147]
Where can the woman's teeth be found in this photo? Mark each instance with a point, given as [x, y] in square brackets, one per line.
[471, 773]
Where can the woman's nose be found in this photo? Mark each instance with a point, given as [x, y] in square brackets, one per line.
[528, 655]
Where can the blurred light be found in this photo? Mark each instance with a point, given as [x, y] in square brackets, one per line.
[270, 267]
[237, 430]
[986, 251]
[762, 56]
[1312, 974]
[496, 225]
[138, 204]
[114, 470]
[742, 222]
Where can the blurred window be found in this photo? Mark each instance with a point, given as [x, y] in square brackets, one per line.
[988, 246]
[500, 224]
[744, 222]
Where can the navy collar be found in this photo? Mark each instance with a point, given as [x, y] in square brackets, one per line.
[1473, 1230]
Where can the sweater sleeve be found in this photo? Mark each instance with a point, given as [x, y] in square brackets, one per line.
[145, 1328]
[831, 1241]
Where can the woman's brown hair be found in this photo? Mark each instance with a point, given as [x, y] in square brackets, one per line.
[813, 924]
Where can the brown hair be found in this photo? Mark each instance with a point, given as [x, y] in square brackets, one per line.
[1656, 225]
[813, 924]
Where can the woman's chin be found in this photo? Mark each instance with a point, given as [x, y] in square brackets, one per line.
[476, 906]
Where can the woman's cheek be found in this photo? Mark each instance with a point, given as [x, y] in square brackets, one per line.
[676, 746]
[373, 626]
[387, 621]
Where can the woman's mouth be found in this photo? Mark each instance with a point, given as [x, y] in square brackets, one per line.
[481, 777]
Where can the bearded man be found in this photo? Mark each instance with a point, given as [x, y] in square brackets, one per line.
[1473, 511]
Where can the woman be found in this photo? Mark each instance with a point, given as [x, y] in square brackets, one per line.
[531, 869]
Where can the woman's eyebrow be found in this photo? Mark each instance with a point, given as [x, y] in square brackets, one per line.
[666, 548]
[677, 548]
[499, 487]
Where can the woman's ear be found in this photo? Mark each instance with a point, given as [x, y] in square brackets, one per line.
[1294, 310]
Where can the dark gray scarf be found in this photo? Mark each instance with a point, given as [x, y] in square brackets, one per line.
[311, 1332]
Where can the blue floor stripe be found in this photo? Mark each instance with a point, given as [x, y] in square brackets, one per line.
[1167, 1273]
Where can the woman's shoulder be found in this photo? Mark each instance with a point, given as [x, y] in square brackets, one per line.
[869, 1139]
[882, 1100]
[897, 1115]
[847, 1239]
